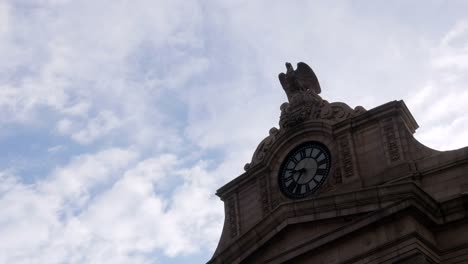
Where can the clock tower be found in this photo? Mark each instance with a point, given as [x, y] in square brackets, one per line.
[335, 184]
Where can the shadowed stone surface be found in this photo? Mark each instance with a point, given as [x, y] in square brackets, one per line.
[386, 199]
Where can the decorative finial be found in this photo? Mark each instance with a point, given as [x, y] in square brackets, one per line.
[305, 104]
[299, 81]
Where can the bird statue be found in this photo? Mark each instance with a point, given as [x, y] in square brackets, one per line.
[301, 80]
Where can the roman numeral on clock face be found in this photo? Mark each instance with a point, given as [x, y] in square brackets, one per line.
[304, 170]
[322, 162]
[294, 160]
[315, 153]
[303, 154]
[299, 189]
[292, 187]
[288, 177]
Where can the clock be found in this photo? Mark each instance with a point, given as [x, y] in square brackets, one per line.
[304, 170]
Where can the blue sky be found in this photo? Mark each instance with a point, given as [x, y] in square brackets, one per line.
[120, 119]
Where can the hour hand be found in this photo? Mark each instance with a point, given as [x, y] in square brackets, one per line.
[302, 170]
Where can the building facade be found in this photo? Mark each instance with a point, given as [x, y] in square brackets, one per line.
[336, 184]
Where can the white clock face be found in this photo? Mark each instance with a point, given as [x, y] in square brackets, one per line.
[304, 170]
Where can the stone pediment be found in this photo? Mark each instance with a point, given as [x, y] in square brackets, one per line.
[316, 109]
[305, 105]
[399, 210]
[376, 172]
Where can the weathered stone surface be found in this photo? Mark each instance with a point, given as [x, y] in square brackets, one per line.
[387, 198]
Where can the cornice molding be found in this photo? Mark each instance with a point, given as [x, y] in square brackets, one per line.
[375, 203]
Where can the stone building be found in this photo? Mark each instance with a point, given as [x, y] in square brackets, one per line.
[340, 185]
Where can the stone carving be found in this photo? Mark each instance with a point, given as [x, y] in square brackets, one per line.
[296, 82]
[345, 155]
[304, 104]
[232, 216]
[263, 148]
[263, 191]
[338, 111]
[315, 109]
[392, 142]
[302, 89]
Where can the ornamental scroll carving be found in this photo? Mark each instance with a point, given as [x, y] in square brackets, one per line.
[295, 114]
[263, 148]
[304, 104]
[302, 89]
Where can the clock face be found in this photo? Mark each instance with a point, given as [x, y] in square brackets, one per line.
[304, 170]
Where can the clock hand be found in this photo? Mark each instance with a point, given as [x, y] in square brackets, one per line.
[300, 175]
[301, 169]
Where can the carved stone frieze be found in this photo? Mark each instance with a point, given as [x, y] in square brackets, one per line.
[338, 111]
[293, 114]
[232, 211]
[263, 189]
[392, 144]
[345, 156]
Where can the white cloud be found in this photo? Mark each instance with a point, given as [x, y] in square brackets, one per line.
[56, 149]
[175, 82]
[79, 63]
[104, 207]
[4, 19]
[452, 54]
[96, 127]
[440, 107]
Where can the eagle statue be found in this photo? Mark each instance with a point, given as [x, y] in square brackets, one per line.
[299, 81]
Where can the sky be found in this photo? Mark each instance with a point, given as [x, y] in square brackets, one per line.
[121, 119]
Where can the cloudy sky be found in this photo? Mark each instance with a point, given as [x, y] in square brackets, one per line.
[120, 119]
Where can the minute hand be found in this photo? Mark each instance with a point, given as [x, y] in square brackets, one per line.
[301, 172]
